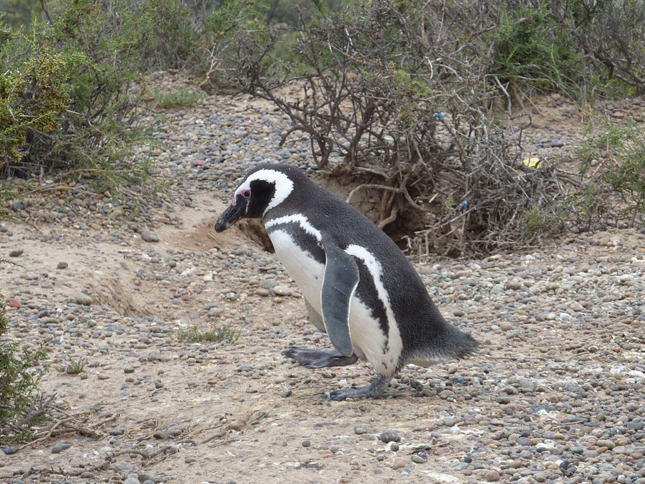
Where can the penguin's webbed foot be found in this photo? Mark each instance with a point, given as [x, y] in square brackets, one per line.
[373, 390]
[319, 358]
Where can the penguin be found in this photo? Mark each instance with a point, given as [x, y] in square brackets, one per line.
[358, 286]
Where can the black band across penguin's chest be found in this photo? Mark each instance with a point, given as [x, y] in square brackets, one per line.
[303, 239]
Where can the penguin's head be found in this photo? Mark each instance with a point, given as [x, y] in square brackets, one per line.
[261, 190]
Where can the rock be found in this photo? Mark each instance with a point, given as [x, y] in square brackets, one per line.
[132, 480]
[62, 265]
[14, 303]
[148, 237]
[389, 436]
[143, 477]
[306, 443]
[360, 429]
[16, 253]
[419, 458]
[399, 463]
[492, 476]
[9, 450]
[282, 291]
[83, 299]
[449, 421]
[58, 448]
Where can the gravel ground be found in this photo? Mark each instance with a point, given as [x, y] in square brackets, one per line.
[555, 395]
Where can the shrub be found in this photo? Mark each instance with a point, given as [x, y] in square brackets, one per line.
[64, 105]
[21, 405]
[406, 118]
[531, 52]
[214, 335]
[612, 158]
[176, 98]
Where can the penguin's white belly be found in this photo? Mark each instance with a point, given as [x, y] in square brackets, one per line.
[368, 339]
[301, 266]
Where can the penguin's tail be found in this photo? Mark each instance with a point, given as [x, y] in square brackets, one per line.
[458, 344]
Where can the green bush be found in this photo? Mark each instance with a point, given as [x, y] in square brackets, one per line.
[20, 400]
[613, 157]
[531, 50]
[64, 101]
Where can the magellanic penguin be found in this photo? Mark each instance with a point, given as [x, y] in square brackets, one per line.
[358, 285]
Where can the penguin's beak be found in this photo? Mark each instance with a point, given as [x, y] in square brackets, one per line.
[232, 214]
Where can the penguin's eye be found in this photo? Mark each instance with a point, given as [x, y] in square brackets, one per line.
[246, 193]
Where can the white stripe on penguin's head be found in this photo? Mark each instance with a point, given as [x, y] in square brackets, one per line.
[283, 186]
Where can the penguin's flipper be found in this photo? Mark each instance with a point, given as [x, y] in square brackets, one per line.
[339, 283]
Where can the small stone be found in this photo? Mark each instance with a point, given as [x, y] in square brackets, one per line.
[62, 265]
[162, 435]
[503, 400]
[360, 429]
[399, 463]
[128, 370]
[189, 459]
[83, 299]
[606, 443]
[16, 253]
[449, 421]
[269, 283]
[132, 480]
[282, 291]
[389, 436]
[306, 443]
[148, 237]
[14, 303]
[9, 450]
[419, 458]
[58, 448]
[334, 449]
[492, 476]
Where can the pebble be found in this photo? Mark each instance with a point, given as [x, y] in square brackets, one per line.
[83, 299]
[16, 252]
[58, 448]
[399, 463]
[492, 476]
[360, 429]
[148, 237]
[282, 291]
[389, 436]
[419, 458]
[62, 265]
